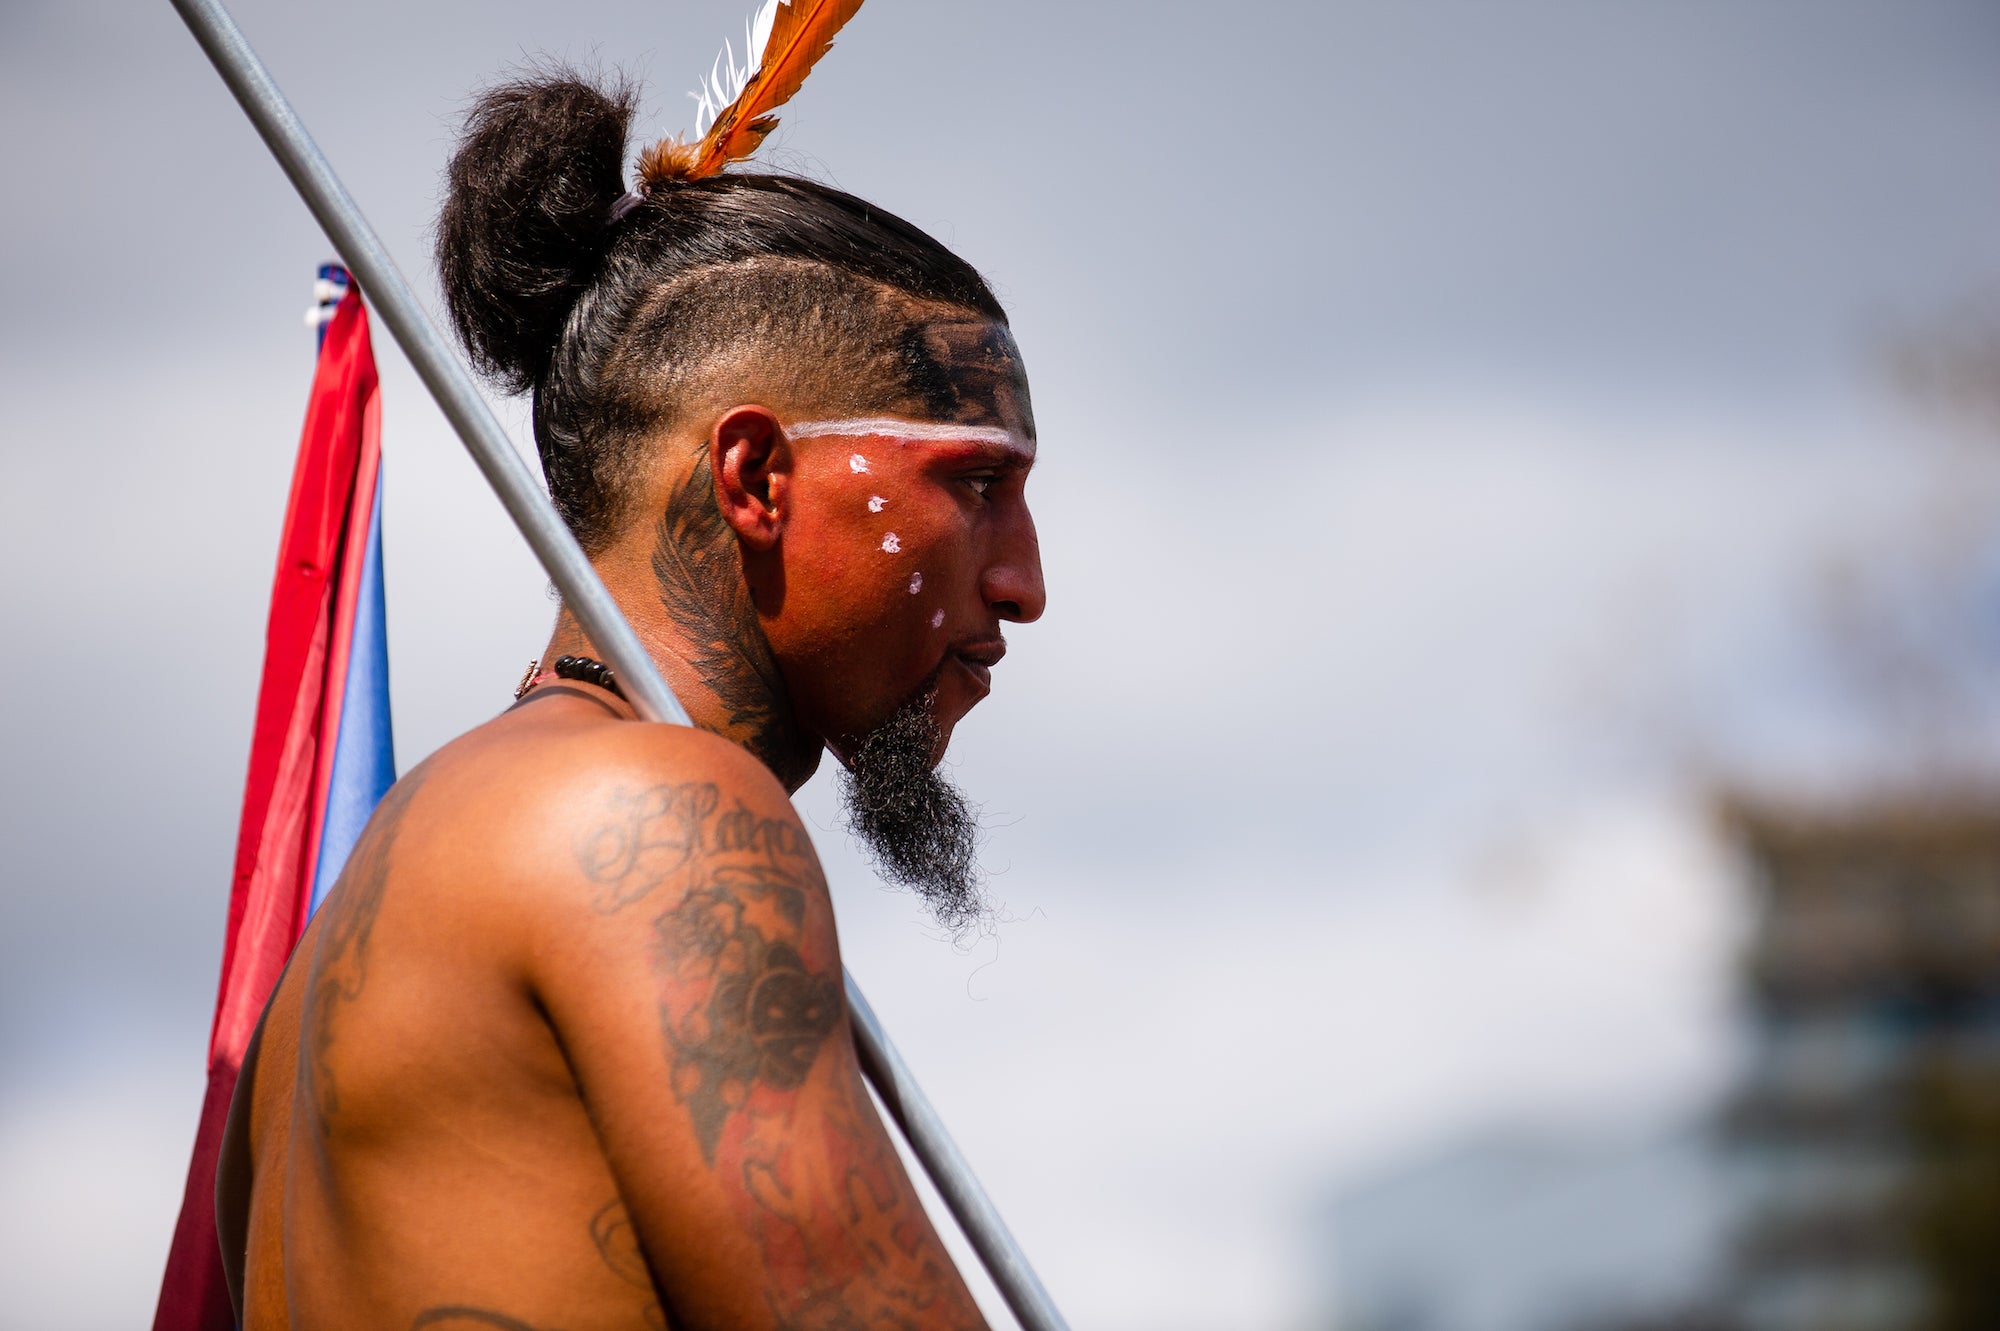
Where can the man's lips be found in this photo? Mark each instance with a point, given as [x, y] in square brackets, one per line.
[978, 657]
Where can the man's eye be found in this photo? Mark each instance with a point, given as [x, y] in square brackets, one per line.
[980, 484]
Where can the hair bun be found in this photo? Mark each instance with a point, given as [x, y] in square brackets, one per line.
[527, 220]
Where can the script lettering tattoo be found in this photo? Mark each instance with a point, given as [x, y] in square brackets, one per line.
[742, 832]
[749, 1000]
[656, 836]
[699, 572]
[667, 832]
[339, 970]
[611, 1231]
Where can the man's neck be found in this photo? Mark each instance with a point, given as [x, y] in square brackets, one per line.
[688, 602]
[722, 695]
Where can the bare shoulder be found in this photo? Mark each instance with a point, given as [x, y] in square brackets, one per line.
[564, 810]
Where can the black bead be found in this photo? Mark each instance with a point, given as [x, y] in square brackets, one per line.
[588, 671]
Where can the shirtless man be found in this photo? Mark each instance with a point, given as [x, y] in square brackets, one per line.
[566, 1048]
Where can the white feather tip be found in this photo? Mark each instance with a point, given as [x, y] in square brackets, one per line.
[726, 79]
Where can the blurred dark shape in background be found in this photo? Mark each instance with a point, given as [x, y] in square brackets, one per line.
[1850, 1179]
[1865, 1139]
[1952, 363]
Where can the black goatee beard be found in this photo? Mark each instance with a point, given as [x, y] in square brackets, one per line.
[916, 826]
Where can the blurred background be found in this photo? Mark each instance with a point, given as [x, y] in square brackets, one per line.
[1499, 829]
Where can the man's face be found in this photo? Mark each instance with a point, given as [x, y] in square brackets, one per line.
[908, 541]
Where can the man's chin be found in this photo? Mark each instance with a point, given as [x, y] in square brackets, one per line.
[946, 719]
[845, 751]
[961, 686]
[914, 824]
[939, 695]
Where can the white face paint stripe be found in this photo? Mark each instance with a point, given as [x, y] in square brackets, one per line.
[888, 427]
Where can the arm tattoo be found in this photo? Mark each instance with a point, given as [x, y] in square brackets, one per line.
[699, 572]
[339, 968]
[652, 836]
[749, 999]
[611, 1231]
[762, 1015]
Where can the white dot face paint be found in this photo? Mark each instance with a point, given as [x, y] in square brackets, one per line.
[891, 543]
[876, 503]
[937, 620]
[916, 583]
[856, 463]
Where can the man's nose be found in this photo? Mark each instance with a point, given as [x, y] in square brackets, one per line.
[1012, 584]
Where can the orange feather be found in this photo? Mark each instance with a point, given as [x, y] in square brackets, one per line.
[802, 32]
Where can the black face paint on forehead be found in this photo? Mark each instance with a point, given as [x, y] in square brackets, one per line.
[968, 373]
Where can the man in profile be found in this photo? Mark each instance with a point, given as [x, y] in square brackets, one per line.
[567, 1045]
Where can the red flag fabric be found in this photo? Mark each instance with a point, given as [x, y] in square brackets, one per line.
[327, 522]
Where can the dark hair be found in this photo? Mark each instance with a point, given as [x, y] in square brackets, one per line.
[606, 320]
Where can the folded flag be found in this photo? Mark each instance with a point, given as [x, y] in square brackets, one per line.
[321, 755]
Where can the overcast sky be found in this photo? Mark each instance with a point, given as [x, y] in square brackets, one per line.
[1449, 412]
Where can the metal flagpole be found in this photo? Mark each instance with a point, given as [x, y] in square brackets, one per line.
[438, 365]
[956, 1183]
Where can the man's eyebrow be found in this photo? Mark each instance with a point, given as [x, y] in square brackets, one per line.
[889, 427]
[1010, 455]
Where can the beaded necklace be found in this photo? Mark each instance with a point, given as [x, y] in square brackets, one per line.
[582, 669]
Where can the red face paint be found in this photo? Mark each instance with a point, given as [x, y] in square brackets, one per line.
[916, 546]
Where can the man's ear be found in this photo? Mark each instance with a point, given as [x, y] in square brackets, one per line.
[752, 463]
